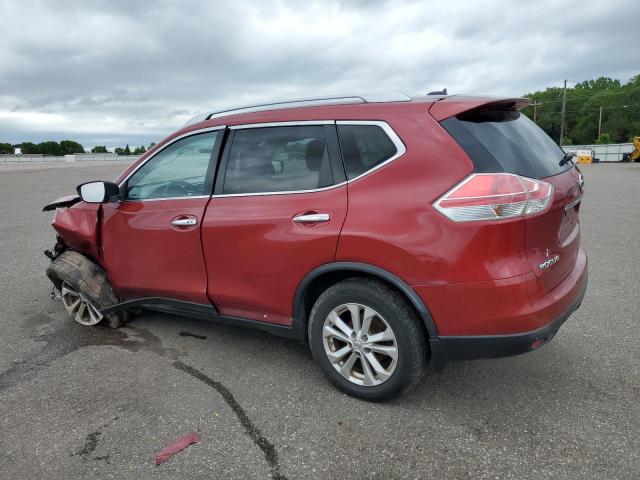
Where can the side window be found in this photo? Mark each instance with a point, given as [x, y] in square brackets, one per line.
[177, 171]
[364, 147]
[278, 159]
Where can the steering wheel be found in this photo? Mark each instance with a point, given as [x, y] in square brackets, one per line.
[177, 188]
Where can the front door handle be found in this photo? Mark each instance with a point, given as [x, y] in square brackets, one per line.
[312, 218]
[184, 222]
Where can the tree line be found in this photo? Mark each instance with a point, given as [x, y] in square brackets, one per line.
[604, 102]
[66, 147]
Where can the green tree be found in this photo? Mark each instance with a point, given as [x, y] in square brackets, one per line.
[620, 104]
[139, 150]
[151, 145]
[65, 147]
[603, 139]
[50, 148]
[6, 148]
[29, 148]
[119, 151]
[68, 147]
[127, 150]
[99, 149]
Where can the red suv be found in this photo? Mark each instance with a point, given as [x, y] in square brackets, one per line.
[386, 231]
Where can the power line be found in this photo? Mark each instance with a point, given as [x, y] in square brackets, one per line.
[591, 109]
[581, 97]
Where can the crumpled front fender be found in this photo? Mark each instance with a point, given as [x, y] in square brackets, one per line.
[65, 201]
[78, 228]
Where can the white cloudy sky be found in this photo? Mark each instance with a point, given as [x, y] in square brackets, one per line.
[117, 71]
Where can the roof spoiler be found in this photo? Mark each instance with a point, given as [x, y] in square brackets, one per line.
[456, 104]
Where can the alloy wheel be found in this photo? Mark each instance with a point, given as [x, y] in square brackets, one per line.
[360, 344]
[78, 306]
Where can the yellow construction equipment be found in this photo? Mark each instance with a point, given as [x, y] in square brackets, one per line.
[635, 155]
[584, 156]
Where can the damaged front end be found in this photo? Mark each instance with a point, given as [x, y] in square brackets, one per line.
[78, 227]
[75, 269]
[62, 202]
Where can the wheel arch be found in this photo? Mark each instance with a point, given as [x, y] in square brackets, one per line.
[322, 277]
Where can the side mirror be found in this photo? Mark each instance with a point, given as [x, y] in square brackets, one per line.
[98, 192]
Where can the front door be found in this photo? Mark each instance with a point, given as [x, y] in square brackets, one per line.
[151, 238]
[279, 203]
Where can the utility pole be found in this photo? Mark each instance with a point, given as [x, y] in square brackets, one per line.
[600, 122]
[564, 105]
[535, 112]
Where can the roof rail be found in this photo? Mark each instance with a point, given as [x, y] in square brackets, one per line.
[380, 97]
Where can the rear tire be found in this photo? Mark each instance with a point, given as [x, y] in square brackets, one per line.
[88, 279]
[379, 356]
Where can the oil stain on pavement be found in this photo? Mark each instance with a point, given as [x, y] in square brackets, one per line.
[71, 337]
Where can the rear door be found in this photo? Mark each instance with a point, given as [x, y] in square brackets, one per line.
[279, 204]
[499, 139]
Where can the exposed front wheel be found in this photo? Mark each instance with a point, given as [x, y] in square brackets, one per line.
[85, 289]
[366, 339]
[79, 307]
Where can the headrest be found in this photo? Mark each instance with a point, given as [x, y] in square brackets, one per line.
[315, 154]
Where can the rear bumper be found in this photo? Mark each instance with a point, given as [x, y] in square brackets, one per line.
[495, 346]
[553, 310]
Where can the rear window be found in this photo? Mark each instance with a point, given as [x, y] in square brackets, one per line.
[364, 147]
[506, 141]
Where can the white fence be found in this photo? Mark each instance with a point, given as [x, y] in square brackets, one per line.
[605, 153]
[78, 157]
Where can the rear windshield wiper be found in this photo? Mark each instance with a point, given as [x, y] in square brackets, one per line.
[567, 158]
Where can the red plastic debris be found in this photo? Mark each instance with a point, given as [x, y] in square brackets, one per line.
[175, 447]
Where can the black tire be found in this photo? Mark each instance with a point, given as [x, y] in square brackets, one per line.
[88, 278]
[392, 306]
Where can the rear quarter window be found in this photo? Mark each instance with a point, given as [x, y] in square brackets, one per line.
[364, 147]
[506, 141]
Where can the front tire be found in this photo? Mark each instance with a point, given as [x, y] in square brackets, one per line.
[85, 289]
[367, 340]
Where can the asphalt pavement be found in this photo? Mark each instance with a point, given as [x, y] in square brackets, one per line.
[91, 402]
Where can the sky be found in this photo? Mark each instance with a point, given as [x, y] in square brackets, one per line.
[132, 71]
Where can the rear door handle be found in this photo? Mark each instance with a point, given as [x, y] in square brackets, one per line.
[184, 222]
[312, 218]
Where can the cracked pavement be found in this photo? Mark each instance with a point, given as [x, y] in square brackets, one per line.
[91, 402]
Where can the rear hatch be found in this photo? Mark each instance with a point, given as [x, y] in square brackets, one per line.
[497, 137]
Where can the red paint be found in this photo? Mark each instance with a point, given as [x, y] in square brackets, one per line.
[175, 447]
[248, 257]
[78, 225]
[494, 307]
[145, 255]
[455, 104]
[556, 232]
[256, 255]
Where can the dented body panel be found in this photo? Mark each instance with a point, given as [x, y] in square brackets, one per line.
[78, 227]
[66, 201]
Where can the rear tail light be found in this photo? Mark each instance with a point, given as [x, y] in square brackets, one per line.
[495, 196]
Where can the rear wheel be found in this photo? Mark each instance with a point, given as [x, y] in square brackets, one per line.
[367, 339]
